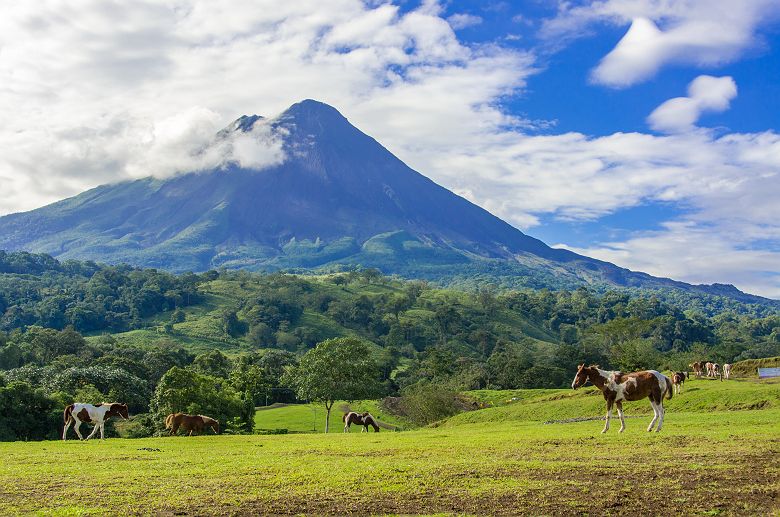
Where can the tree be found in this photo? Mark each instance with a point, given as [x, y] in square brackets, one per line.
[336, 369]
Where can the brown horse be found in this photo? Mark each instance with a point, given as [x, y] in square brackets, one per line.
[697, 367]
[364, 419]
[678, 379]
[192, 423]
[618, 386]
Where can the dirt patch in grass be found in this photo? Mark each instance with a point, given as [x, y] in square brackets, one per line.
[640, 489]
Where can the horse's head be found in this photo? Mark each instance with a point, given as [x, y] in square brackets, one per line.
[215, 426]
[121, 410]
[581, 377]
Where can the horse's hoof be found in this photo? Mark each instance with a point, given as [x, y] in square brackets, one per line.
[603, 431]
[621, 430]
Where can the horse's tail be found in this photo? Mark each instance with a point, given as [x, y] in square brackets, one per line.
[344, 416]
[669, 390]
[67, 414]
[169, 421]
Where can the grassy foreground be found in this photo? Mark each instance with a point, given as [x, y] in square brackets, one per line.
[703, 462]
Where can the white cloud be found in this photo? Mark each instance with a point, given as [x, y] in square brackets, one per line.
[705, 94]
[701, 33]
[695, 253]
[462, 20]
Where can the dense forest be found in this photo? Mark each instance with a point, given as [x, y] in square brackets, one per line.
[220, 342]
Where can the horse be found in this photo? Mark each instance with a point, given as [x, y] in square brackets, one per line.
[98, 414]
[192, 423]
[678, 378]
[364, 419]
[716, 371]
[697, 367]
[726, 371]
[618, 386]
[710, 369]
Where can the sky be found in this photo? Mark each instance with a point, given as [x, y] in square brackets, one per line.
[642, 132]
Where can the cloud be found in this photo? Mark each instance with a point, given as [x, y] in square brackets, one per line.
[705, 94]
[462, 20]
[702, 33]
[685, 250]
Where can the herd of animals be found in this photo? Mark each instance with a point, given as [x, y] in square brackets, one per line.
[615, 386]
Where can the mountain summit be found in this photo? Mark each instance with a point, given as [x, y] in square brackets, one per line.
[329, 196]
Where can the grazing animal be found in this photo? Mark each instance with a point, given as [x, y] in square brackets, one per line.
[618, 386]
[727, 370]
[716, 371]
[697, 367]
[79, 413]
[678, 378]
[710, 371]
[364, 419]
[192, 423]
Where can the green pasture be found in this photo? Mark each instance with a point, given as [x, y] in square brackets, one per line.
[713, 457]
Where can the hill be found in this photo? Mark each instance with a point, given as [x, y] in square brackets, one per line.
[336, 199]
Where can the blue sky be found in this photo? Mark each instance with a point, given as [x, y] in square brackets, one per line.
[643, 132]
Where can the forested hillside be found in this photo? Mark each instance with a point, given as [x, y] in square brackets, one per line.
[79, 330]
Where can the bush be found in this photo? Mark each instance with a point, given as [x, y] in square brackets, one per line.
[425, 403]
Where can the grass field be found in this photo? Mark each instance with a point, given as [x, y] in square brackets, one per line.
[502, 460]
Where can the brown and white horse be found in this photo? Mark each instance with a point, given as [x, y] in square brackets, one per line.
[678, 378]
[618, 386]
[192, 423]
[697, 367]
[78, 413]
[364, 419]
[726, 371]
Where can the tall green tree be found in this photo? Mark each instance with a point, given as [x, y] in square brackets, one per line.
[336, 369]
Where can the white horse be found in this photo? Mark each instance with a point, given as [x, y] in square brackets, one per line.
[79, 412]
[727, 371]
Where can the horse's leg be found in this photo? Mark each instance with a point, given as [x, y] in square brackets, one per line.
[77, 427]
[609, 414]
[95, 430]
[346, 427]
[365, 429]
[102, 430]
[655, 416]
[619, 405]
[661, 412]
[65, 430]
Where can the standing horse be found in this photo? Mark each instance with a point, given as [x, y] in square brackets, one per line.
[618, 386]
[678, 378]
[98, 414]
[192, 423]
[364, 419]
[710, 369]
[726, 371]
[697, 367]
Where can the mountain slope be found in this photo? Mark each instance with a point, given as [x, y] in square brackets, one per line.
[338, 197]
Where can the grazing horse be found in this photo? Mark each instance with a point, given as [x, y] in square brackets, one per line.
[710, 369]
[98, 414]
[678, 378]
[618, 386]
[698, 368]
[726, 371]
[716, 371]
[192, 423]
[364, 419]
